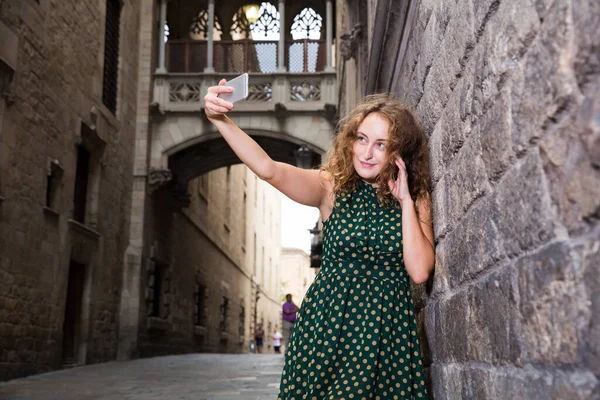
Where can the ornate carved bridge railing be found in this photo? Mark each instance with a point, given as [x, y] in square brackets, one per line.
[303, 92]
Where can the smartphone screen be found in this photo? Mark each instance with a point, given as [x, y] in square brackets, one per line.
[240, 89]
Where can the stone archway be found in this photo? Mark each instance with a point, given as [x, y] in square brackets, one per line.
[178, 133]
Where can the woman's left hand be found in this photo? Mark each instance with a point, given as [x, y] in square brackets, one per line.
[399, 187]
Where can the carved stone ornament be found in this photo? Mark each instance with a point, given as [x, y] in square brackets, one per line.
[330, 112]
[280, 111]
[349, 43]
[158, 178]
[156, 109]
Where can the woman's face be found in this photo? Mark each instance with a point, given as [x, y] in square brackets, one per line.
[369, 149]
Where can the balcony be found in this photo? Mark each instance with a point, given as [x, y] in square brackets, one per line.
[238, 56]
[304, 84]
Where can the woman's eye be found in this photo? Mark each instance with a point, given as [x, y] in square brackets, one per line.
[381, 146]
[361, 139]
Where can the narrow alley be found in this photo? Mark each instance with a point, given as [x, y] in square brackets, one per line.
[183, 377]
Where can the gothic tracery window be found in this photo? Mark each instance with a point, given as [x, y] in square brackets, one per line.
[240, 28]
[199, 27]
[307, 25]
[267, 26]
[308, 55]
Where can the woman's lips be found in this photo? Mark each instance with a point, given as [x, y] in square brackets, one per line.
[366, 165]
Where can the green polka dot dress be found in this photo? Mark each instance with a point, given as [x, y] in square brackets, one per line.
[356, 336]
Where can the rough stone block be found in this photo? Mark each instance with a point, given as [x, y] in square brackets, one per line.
[432, 38]
[440, 278]
[546, 90]
[484, 243]
[495, 137]
[576, 386]
[522, 384]
[454, 132]
[573, 179]
[526, 218]
[591, 278]
[586, 19]
[507, 31]
[473, 246]
[468, 178]
[494, 326]
[451, 328]
[436, 150]
[551, 306]
[455, 257]
[440, 205]
[449, 382]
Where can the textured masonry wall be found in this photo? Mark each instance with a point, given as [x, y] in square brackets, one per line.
[57, 81]
[508, 92]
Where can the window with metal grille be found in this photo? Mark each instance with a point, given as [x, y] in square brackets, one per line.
[53, 180]
[111, 54]
[200, 304]
[242, 325]
[82, 174]
[157, 291]
[224, 312]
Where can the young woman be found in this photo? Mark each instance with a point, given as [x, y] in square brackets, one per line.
[356, 336]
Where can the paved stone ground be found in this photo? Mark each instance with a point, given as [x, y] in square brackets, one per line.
[192, 376]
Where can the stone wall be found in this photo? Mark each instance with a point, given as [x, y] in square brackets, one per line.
[508, 92]
[56, 89]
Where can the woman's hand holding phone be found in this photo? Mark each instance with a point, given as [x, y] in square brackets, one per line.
[219, 99]
[214, 106]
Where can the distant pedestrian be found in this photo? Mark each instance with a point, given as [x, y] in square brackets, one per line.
[289, 310]
[259, 335]
[277, 340]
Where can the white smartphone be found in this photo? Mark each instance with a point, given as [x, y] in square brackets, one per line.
[240, 89]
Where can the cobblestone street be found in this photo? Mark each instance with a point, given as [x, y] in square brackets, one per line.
[193, 377]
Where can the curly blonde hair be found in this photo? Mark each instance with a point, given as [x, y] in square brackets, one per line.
[406, 138]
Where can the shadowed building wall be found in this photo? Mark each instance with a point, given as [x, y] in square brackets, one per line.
[68, 84]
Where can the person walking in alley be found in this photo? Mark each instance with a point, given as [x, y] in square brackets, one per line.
[289, 310]
[277, 340]
[355, 335]
[259, 336]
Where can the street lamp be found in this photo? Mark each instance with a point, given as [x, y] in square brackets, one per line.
[303, 157]
[251, 11]
[316, 246]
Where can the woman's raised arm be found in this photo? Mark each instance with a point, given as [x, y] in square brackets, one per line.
[303, 186]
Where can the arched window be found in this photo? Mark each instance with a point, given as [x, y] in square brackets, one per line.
[199, 27]
[111, 54]
[240, 28]
[308, 55]
[267, 26]
[307, 25]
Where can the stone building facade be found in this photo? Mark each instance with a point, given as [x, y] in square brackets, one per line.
[68, 84]
[508, 92]
[296, 274]
[212, 270]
